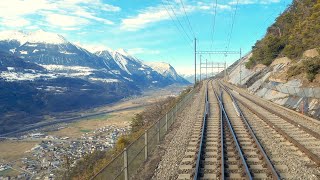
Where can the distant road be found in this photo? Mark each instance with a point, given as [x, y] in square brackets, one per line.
[57, 121]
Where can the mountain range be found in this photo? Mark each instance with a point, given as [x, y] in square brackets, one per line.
[43, 73]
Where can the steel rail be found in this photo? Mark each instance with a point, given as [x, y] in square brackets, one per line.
[199, 156]
[300, 126]
[270, 166]
[310, 154]
[222, 175]
[243, 161]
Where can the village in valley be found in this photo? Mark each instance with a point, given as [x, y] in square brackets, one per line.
[53, 153]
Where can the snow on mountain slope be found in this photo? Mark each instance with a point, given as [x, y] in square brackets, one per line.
[32, 37]
[48, 49]
[167, 71]
[163, 68]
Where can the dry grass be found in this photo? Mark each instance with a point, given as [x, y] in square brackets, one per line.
[76, 129]
[13, 150]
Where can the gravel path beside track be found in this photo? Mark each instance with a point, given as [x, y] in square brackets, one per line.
[177, 140]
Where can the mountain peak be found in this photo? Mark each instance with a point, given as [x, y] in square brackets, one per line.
[39, 36]
[123, 52]
[160, 66]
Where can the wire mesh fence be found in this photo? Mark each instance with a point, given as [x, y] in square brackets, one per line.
[295, 91]
[126, 164]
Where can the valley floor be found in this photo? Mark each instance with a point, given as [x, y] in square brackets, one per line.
[41, 151]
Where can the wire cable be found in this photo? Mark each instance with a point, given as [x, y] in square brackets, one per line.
[233, 20]
[174, 13]
[172, 19]
[186, 15]
[213, 23]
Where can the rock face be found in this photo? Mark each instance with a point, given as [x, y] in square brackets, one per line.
[272, 83]
[311, 53]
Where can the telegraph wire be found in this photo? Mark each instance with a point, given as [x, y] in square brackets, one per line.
[233, 20]
[174, 22]
[186, 15]
[213, 23]
[174, 13]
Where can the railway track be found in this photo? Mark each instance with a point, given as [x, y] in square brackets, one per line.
[223, 145]
[301, 132]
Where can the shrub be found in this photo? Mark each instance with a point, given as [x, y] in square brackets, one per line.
[295, 31]
[310, 67]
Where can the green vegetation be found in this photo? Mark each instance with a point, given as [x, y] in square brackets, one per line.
[295, 31]
[310, 66]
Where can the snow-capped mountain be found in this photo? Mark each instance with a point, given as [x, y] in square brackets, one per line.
[188, 76]
[140, 73]
[167, 71]
[43, 73]
[54, 53]
[47, 48]
[39, 36]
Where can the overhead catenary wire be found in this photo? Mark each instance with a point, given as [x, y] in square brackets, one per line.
[175, 15]
[174, 22]
[232, 25]
[213, 22]
[188, 20]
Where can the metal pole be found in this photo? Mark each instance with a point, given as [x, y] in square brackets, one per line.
[145, 145]
[225, 70]
[125, 165]
[212, 70]
[240, 68]
[200, 66]
[195, 60]
[206, 68]
[166, 121]
[158, 132]
[240, 74]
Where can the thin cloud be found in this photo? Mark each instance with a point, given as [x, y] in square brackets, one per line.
[15, 22]
[245, 2]
[86, 11]
[159, 13]
[145, 17]
[65, 20]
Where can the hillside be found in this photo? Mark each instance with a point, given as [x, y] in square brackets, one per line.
[295, 31]
[42, 73]
[284, 66]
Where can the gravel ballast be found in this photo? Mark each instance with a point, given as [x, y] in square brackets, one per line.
[175, 143]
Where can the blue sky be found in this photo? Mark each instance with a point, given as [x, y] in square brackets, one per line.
[145, 28]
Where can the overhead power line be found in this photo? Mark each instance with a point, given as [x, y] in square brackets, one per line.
[186, 15]
[175, 15]
[174, 22]
[213, 22]
[233, 20]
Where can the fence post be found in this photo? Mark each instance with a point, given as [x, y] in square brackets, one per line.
[175, 112]
[145, 145]
[158, 132]
[125, 160]
[166, 122]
